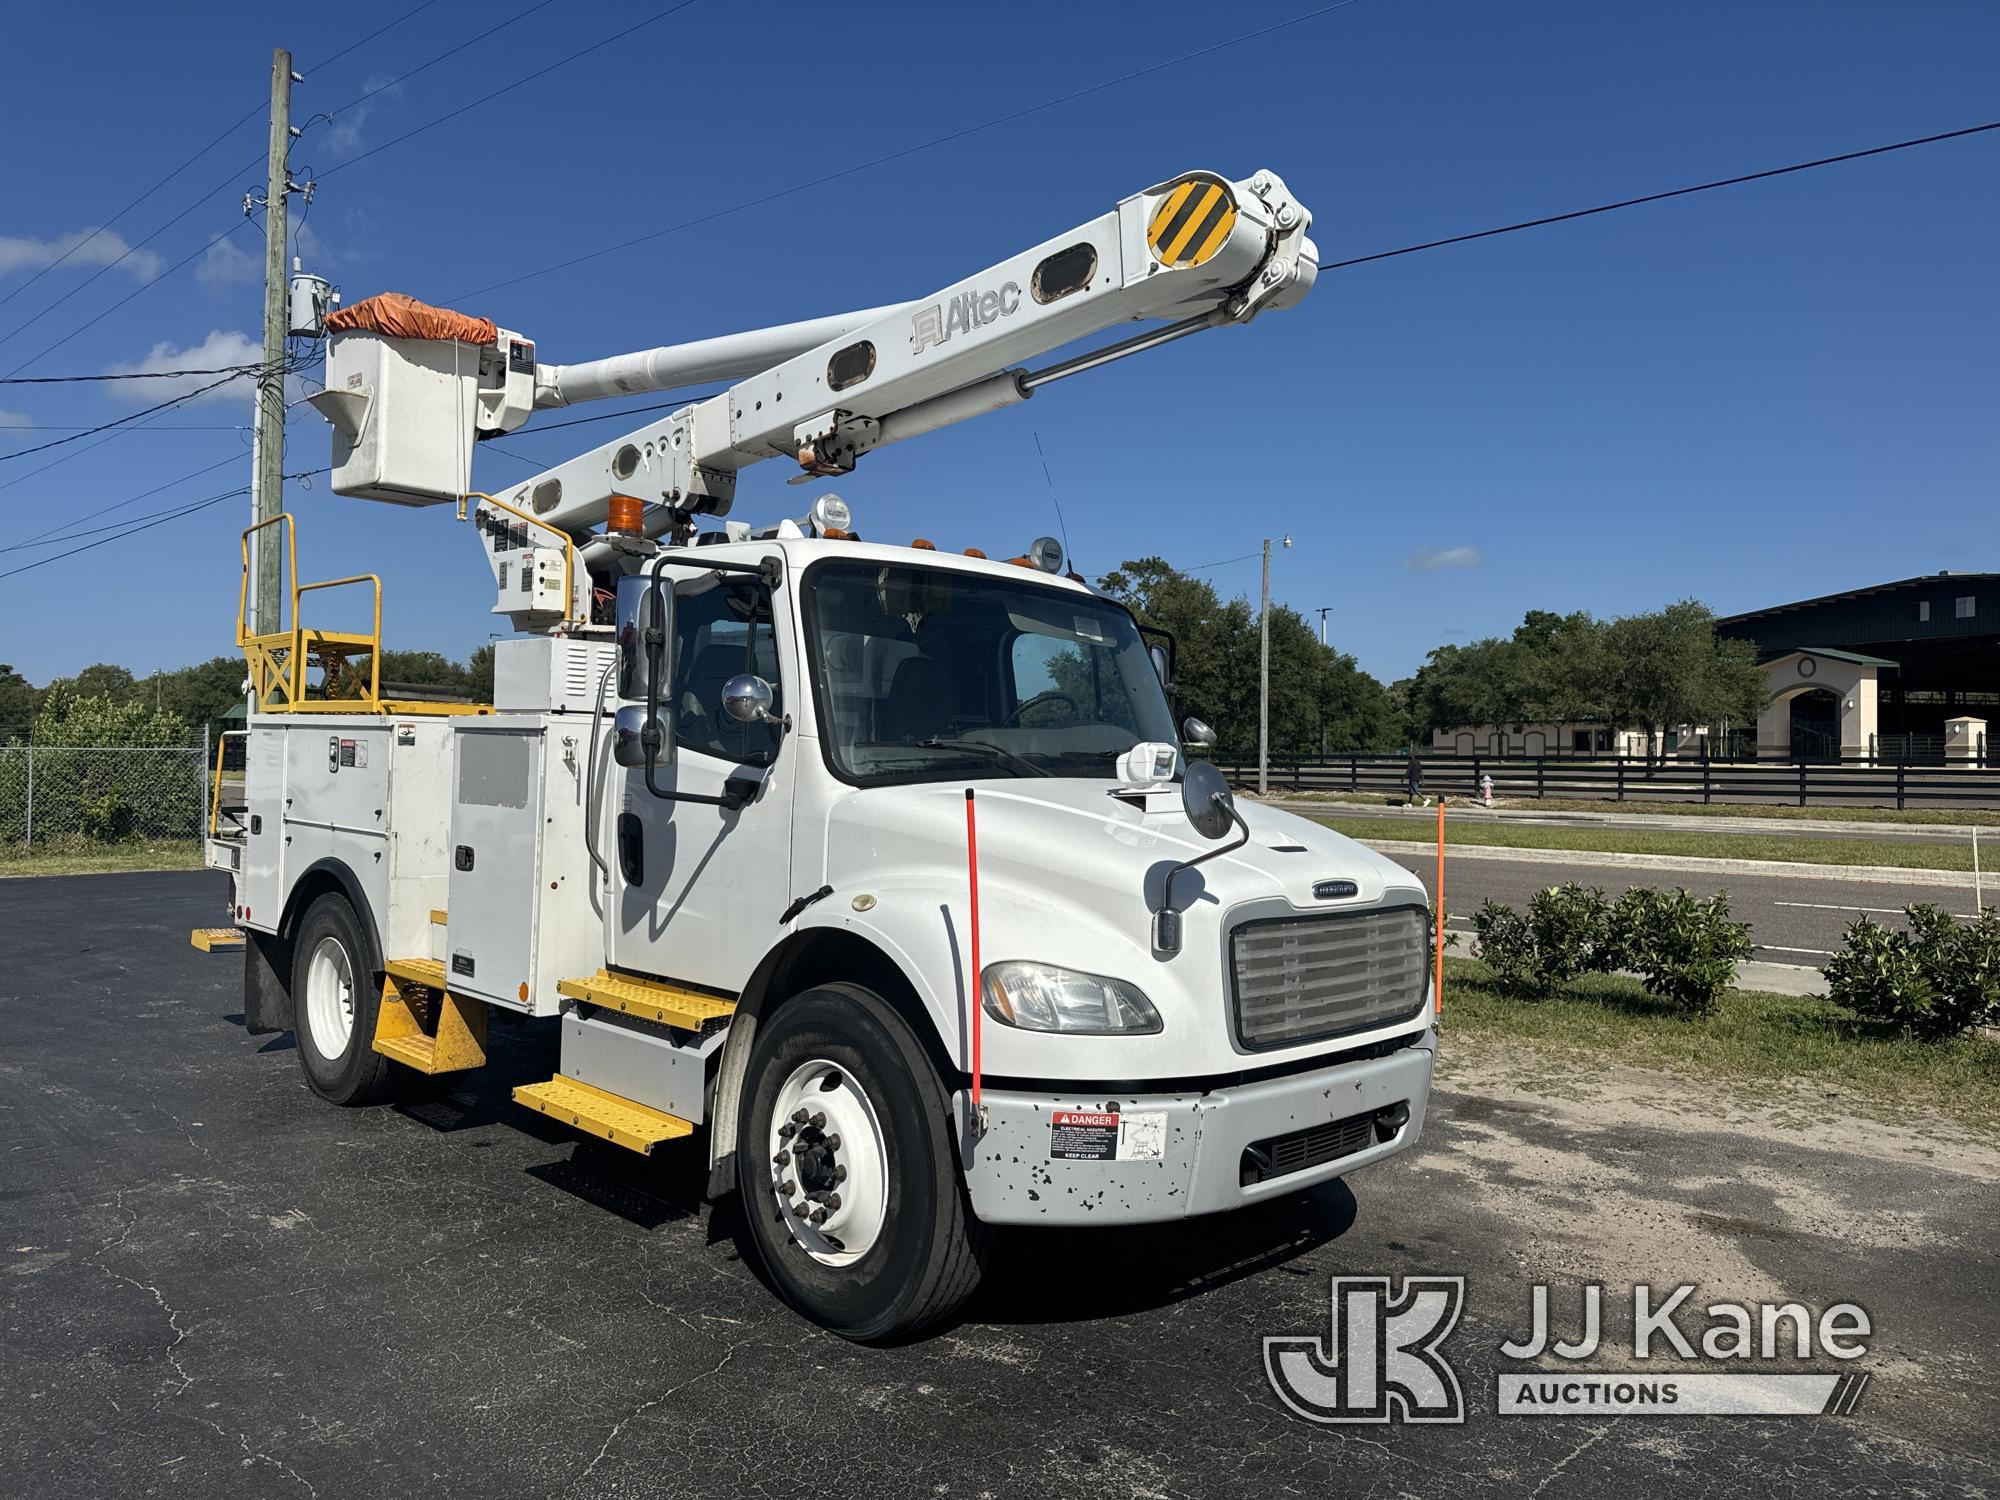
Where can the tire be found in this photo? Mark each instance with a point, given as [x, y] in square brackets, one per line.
[900, 1249]
[336, 991]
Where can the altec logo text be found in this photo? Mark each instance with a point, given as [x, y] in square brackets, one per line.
[968, 310]
[1382, 1359]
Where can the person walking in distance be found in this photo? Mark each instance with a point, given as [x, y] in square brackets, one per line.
[1413, 780]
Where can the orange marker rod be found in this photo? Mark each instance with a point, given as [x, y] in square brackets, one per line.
[1437, 984]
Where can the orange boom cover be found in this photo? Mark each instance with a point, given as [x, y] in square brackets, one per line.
[396, 316]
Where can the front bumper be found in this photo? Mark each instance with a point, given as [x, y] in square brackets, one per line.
[1049, 1158]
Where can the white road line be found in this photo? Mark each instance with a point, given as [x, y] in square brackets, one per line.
[1780, 948]
[1892, 911]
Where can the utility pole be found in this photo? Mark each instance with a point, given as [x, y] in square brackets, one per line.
[1264, 678]
[268, 480]
[1322, 622]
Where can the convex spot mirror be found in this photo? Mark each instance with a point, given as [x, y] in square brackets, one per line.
[747, 699]
[1206, 797]
[1194, 732]
[628, 737]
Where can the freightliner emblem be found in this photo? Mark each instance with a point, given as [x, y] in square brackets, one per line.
[968, 310]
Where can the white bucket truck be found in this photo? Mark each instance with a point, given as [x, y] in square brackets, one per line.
[882, 867]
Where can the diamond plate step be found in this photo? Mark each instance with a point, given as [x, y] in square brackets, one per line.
[648, 999]
[606, 1115]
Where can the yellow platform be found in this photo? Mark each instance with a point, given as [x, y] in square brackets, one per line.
[608, 1116]
[208, 939]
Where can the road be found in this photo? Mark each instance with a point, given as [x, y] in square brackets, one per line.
[220, 1286]
[1794, 918]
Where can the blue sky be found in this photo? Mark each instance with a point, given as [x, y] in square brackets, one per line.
[1756, 394]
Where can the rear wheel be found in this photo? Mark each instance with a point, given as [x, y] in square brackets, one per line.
[845, 1159]
[336, 990]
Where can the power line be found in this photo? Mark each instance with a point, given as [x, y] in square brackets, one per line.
[1680, 192]
[91, 323]
[94, 233]
[408, 15]
[52, 532]
[159, 520]
[383, 88]
[491, 94]
[124, 375]
[122, 421]
[935, 141]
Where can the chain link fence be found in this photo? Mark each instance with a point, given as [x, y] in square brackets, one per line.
[63, 797]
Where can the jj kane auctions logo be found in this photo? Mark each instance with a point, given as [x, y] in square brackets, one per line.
[1382, 1358]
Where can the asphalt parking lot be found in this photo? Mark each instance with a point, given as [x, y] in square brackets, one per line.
[218, 1285]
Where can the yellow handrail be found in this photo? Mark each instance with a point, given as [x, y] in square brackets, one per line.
[215, 797]
[283, 517]
[299, 591]
[570, 617]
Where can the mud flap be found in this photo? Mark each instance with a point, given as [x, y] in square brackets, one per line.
[267, 999]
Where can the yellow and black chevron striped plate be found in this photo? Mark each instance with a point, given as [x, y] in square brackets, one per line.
[1192, 222]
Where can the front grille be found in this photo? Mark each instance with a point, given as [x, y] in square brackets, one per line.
[1282, 1155]
[1302, 979]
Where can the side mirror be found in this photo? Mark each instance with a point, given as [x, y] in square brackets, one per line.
[645, 635]
[1161, 666]
[628, 738]
[747, 699]
[1194, 732]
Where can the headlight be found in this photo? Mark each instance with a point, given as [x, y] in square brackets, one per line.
[1042, 997]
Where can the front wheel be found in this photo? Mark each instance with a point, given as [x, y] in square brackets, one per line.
[849, 1178]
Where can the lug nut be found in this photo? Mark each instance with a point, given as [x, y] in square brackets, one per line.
[788, 1187]
[787, 1131]
[818, 1121]
[840, 1174]
[832, 1201]
[799, 1117]
[781, 1158]
[833, 1142]
[819, 1216]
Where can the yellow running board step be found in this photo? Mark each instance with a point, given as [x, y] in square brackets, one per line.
[615, 1119]
[422, 1025]
[208, 939]
[648, 999]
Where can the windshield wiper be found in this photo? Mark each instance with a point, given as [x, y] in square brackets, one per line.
[993, 753]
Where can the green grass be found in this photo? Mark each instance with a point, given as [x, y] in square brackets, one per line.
[1902, 854]
[98, 859]
[1753, 1038]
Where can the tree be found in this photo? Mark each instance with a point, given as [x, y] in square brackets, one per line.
[1320, 699]
[18, 700]
[423, 669]
[205, 695]
[479, 674]
[1669, 668]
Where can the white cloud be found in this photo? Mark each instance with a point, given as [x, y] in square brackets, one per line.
[221, 348]
[1433, 559]
[226, 263]
[84, 247]
[15, 418]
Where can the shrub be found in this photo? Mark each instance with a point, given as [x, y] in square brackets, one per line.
[1684, 949]
[1936, 981]
[1561, 936]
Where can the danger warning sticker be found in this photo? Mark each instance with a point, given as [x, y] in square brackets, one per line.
[1097, 1135]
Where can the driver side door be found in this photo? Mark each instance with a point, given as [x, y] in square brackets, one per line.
[701, 885]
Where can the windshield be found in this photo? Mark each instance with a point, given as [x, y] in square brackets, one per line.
[926, 674]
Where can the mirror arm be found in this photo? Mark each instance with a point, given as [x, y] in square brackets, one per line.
[1167, 921]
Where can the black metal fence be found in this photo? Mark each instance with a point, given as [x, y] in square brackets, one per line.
[1858, 781]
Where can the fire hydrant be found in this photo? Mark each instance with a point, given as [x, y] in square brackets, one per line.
[1486, 789]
